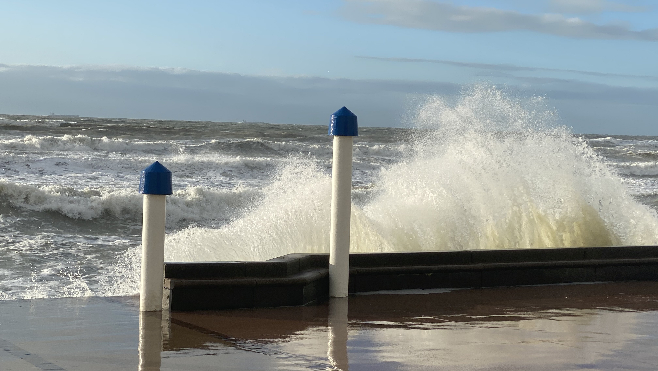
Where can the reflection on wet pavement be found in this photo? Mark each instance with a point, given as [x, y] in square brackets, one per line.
[610, 326]
[560, 327]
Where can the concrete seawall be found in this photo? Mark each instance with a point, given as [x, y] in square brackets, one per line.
[300, 279]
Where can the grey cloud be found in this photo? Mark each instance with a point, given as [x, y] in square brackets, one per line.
[506, 67]
[440, 16]
[592, 6]
[195, 95]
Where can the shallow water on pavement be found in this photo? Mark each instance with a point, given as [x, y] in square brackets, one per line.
[610, 326]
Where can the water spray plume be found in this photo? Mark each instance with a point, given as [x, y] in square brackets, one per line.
[489, 171]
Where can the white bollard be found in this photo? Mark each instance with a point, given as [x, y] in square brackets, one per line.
[343, 127]
[155, 184]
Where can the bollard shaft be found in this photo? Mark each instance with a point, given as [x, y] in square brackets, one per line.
[341, 203]
[153, 235]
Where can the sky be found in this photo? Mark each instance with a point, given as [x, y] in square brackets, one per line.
[298, 61]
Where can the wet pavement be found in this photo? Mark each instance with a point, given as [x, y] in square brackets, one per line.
[609, 326]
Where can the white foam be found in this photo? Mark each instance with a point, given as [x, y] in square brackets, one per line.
[638, 168]
[82, 143]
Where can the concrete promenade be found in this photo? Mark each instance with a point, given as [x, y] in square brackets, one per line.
[602, 326]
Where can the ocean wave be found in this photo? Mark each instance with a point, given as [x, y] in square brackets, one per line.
[193, 204]
[21, 123]
[85, 143]
[606, 142]
[76, 266]
[247, 147]
[643, 154]
[638, 168]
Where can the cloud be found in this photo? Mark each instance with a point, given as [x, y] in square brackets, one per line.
[197, 95]
[592, 6]
[157, 93]
[440, 16]
[507, 67]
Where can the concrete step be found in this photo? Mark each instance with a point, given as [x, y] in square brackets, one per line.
[301, 279]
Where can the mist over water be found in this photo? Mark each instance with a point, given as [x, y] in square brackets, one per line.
[485, 170]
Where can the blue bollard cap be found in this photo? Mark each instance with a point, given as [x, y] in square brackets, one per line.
[343, 123]
[155, 180]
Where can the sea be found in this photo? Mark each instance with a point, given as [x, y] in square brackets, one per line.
[487, 169]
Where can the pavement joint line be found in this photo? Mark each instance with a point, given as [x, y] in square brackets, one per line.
[28, 357]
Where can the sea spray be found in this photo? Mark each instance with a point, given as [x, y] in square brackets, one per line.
[293, 215]
[490, 171]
